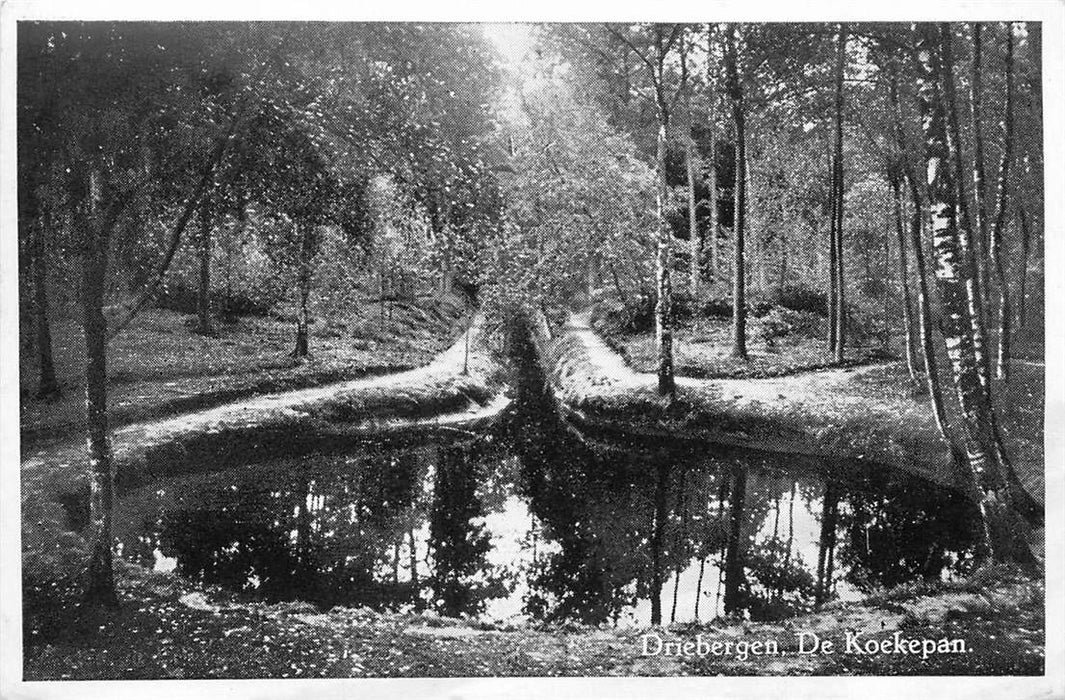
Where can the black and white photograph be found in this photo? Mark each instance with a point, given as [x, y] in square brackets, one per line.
[422, 349]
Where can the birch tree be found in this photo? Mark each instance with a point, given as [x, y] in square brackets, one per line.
[991, 483]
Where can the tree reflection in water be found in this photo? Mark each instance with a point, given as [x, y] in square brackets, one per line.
[538, 519]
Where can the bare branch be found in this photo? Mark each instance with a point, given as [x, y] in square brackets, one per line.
[625, 40]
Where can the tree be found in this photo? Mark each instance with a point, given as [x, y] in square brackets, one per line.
[711, 168]
[90, 106]
[908, 160]
[578, 199]
[734, 90]
[655, 58]
[838, 320]
[997, 231]
[991, 485]
[895, 177]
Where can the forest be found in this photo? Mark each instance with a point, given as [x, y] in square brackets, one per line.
[763, 257]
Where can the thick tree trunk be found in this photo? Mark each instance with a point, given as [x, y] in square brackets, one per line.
[302, 348]
[992, 485]
[694, 240]
[204, 324]
[1002, 364]
[973, 293]
[976, 81]
[48, 386]
[739, 302]
[904, 274]
[841, 306]
[100, 585]
[735, 579]
[924, 310]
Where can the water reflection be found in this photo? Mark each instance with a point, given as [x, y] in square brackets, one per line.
[538, 522]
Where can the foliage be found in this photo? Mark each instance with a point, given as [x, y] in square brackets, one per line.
[782, 323]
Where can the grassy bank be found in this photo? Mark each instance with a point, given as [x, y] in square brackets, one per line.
[168, 628]
[158, 366]
[864, 414]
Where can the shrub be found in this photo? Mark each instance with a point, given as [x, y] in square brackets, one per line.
[782, 323]
[758, 305]
[614, 316]
[720, 307]
[800, 298]
[246, 302]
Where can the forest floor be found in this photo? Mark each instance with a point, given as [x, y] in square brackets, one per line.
[159, 367]
[866, 413]
[702, 349]
[169, 628]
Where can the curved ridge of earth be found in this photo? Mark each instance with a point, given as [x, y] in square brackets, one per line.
[861, 414]
[451, 390]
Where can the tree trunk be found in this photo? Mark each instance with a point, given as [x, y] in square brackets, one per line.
[841, 307]
[100, 586]
[711, 170]
[302, 348]
[924, 309]
[833, 281]
[203, 303]
[735, 580]
[1002, 364]
[48, 385]
[976, 81]
[904, 272]
[988, 468]
[694, 241]
[663, 310]
[974, 296]
[739, 303]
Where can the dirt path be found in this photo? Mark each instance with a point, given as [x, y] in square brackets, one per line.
[440, 393]
[859, 414]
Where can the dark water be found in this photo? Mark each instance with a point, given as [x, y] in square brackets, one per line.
[530, 522]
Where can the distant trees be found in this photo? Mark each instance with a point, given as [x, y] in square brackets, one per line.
[578, 198]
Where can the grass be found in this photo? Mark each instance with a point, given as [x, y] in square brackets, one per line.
[158, 366]
[702, 349]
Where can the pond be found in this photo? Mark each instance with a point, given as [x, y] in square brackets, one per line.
[527, 521]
